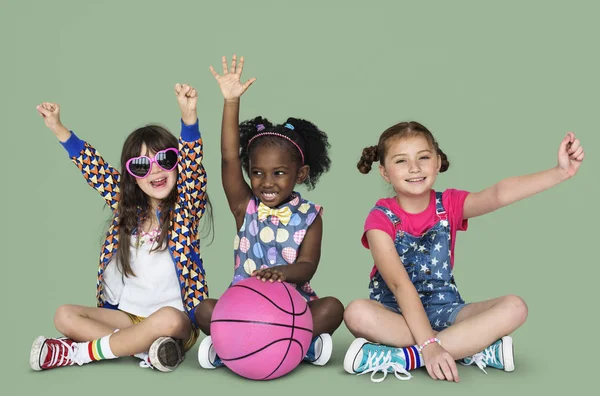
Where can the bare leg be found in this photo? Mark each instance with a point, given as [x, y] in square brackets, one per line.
[203, 314]
[371, 320]
[480, 324]
[327, 314]
[88, 324]
[81, 323]
[477, 325]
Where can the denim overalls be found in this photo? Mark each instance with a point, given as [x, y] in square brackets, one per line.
[426, 259]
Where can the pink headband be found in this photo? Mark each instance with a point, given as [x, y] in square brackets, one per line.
[281, 136]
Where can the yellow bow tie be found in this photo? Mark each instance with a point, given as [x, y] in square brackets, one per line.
[283, 214]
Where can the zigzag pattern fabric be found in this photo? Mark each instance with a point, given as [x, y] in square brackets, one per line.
[183, 240]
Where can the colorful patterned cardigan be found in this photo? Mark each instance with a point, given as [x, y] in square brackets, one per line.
[183, 242]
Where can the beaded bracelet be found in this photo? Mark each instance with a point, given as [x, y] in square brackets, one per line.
[429, 341]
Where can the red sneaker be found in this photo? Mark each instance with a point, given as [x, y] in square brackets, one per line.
[49, 353]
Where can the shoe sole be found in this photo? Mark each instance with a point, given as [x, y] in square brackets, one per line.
[508, 353]
[351, 353]
[158, 351]
[326, 350]
[34, 356]
[203, 351]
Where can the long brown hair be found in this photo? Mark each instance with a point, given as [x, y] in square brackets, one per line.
[134, 205]
[399, 131]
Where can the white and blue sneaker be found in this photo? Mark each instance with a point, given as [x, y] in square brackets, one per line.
[499, 355]
[320, 350]
[207, 357]
[365, 357]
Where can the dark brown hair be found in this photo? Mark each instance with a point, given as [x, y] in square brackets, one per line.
[399, 131]
[134, 205]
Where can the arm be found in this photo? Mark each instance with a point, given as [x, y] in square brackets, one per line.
[191, 178]
[98, 173]
[439, 363]
[513, 189]
[305, 266]
[237, 191]
[395, 276]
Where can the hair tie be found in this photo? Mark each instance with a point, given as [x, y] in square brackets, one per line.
[289, 126]
[260, 127]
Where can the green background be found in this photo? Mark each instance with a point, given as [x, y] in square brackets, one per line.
[499, 84]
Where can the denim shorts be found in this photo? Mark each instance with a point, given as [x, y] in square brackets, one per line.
[440, 316]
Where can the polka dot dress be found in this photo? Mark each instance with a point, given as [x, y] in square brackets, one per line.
[268, 243]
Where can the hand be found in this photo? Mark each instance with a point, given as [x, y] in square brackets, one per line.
[229, 82]
[439, 363]
[187, 97]
[269, 274]
[50, 112]
[570, 155]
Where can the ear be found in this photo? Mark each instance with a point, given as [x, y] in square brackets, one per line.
[439, 163]
[302, 174]
[383, 173]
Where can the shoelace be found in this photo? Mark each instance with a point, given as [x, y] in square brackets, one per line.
[65, 354]
[478, 359]
[145, 363]
[383, 362]
[485, 358]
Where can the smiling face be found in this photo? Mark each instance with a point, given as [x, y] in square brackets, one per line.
[411, 165]
[273, 174]
[159, 183]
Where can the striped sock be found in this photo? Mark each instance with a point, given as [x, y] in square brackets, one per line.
[413, 360]
[95, 350]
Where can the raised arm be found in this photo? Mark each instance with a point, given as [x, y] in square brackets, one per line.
[237, 191]
[513, 189]
[98, 173]
[191, 179]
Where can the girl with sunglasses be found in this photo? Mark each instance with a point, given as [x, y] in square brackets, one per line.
[151, 276]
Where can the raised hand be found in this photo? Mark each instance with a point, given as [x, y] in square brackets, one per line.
[187, 98]
[50, 112]
[570, 154]
[229, 82]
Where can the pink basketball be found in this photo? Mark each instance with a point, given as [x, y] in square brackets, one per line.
[261, 330]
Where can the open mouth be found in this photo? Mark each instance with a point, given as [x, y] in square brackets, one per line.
[268, 196]
[416, 180]
[159, 182]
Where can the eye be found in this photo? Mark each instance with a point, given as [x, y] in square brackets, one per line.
[400, 161]
[425, 157]
[279, 173]
[256, 173]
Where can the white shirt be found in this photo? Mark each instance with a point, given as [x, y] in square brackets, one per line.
[155, 284]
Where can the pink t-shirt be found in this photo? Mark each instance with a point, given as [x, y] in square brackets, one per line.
[417, 224]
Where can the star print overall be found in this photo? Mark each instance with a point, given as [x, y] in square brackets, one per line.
[426, 259]
[267, 242]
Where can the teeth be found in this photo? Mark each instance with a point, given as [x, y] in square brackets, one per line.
[158, 180]
[416, 180]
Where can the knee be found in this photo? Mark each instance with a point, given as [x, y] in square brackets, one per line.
[63, 318]
[357, 316]
[168, 321]
[517, 308]
[333, 308]
[203, 314]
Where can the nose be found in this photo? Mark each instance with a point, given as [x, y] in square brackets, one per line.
[267, 181]
[414, 167]
[154, 168]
